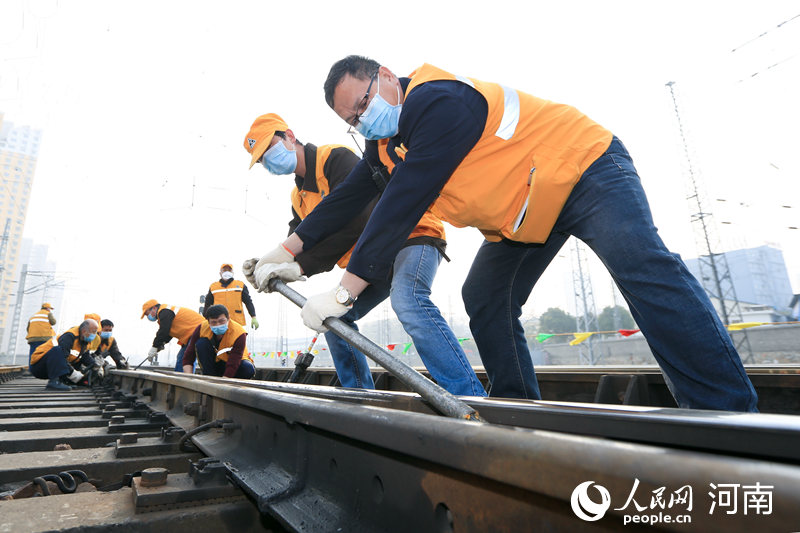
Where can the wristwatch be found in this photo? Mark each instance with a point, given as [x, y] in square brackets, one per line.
[344, 297]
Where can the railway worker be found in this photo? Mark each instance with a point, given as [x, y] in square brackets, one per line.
[318, 171]
[108, 344]
[173, 322]
[219, 344]
[231, 293]
[40, 327]
[528, 173]
[51, 360]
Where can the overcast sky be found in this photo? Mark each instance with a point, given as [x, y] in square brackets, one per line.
[142, 188]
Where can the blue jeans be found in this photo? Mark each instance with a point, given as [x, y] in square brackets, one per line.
[53, 364]
[179, 360]
[414, 270]
[207, 357]
[608, 210]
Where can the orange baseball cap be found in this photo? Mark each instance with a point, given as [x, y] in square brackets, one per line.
[226, 265]
[147, 305]
[93, 316]
[261, 133]
[47, 306]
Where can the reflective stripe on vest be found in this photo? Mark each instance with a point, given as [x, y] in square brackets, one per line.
[230, 297]
[517, 178]
[227, 341]
[39, 325]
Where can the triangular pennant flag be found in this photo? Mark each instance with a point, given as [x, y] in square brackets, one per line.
[580, 337]
[315, 352]
[462, 339]
[627, 332]
[541, 337]
[391, 346]
[743, 325]
[279, 353]
[408, 345]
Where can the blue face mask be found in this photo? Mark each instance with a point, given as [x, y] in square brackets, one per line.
[151, 318]
[105, 334]
[279, 159]
[380, 120]
[90, 337]
[219, 330]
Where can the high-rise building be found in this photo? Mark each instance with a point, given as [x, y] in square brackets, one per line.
[19, 149]
[759, 276]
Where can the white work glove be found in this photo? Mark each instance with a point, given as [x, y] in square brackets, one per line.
[248, 268]
[287, 272]
[151, 353]
[319, 307]
[278, 255]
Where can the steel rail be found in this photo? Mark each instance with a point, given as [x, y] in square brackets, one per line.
[743, 434]
[440, 399]
[318, 464]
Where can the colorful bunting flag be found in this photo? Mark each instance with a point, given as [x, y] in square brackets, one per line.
[743, 325]
[627, 332]
[580, 337]
[541, 337]
[408, 345]
[391, 346]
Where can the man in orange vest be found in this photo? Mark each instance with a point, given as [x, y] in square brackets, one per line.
[318, 170]
[231, 293]
[40, 327]
[219, 344]
[173, 322]
[528, 173]
[51, 360]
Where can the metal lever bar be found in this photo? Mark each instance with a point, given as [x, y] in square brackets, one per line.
[440, 399]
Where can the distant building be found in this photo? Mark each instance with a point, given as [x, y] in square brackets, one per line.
[41, 285]
[759, 276]
[19, 149]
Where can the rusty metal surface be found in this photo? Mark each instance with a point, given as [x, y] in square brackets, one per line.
[315, 458]
[330, 463]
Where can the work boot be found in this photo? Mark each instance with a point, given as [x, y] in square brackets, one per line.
[55, 384]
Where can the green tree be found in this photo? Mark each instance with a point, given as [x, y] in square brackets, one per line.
[555, 320]
[606, 319]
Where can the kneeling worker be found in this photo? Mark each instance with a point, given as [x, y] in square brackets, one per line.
[220, 346]
[173, 321]
[50, 360]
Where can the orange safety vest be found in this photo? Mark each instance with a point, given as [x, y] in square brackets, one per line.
[104, 343]
[39, 325]
[74, 353]
[184, 323]
[235, 331]
[304, 201]
[230, 297]
[516, 179]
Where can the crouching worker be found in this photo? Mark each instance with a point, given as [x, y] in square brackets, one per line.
[220, 346]
[51, 359]
[108, 345]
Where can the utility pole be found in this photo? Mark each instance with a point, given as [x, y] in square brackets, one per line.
[713, 263]
[585, 310]
[12, 338]
[3, 246]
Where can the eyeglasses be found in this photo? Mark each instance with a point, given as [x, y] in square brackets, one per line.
[351, 130]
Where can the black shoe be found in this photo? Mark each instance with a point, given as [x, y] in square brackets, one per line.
[55, 384]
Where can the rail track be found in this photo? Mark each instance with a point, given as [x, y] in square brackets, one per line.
[166, 450]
